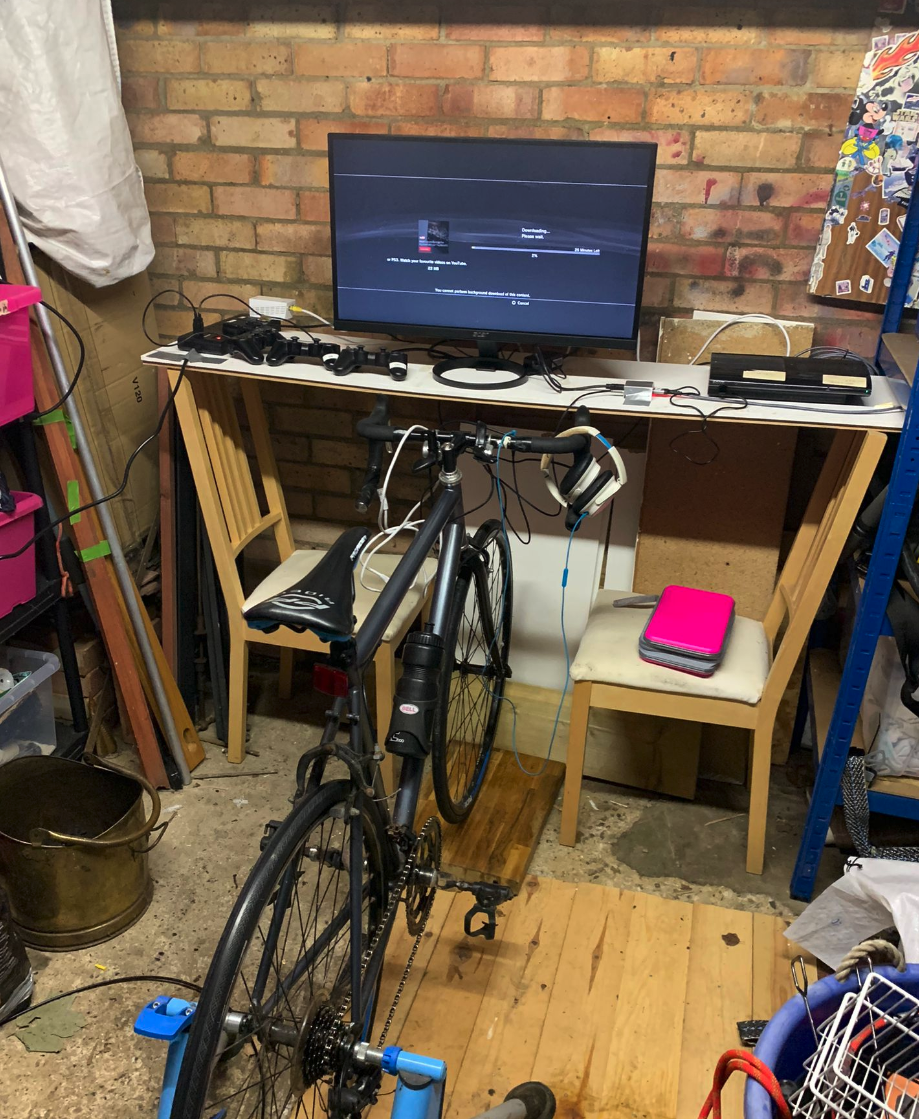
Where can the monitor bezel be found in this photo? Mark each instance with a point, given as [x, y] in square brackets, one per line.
[420, 330]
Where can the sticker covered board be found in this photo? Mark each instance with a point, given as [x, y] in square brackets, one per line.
[874, 176]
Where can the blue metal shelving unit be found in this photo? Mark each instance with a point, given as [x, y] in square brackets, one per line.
[872, 608]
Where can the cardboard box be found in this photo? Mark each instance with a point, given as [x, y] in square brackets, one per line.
[116, 394]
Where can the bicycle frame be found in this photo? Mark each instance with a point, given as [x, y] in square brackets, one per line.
[446, 520]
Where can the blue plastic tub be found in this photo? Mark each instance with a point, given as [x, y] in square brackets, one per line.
[787, 1041]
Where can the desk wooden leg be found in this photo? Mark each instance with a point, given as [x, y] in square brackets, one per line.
[286, 674]
[574, 763]
[237, 699]
[384, 666]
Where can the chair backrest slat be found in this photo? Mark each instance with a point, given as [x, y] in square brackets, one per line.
[223, 473]
[227, 452]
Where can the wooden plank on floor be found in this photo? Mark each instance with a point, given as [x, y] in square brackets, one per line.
[621, 1002]
[446, 909]
[772, 956]
[498, 839]
[502, 1050]
[446, 1007]
[719, 994]
[576, 1038]
[643, 1066]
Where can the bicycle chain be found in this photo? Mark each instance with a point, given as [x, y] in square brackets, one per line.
[336, 1034]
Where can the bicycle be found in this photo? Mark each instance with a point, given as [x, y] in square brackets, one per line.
[283, 1026]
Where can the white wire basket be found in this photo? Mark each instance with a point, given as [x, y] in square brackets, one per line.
[866, 1065]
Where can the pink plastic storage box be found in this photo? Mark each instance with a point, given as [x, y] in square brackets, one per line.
[17, 396]
[17, 576]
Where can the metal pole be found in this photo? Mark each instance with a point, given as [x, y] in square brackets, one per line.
[122, 572]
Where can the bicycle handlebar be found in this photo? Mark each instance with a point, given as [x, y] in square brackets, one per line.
[376, 429]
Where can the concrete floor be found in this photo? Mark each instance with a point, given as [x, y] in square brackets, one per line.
[691, 851]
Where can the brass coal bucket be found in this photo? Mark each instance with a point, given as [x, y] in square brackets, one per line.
[73, 849]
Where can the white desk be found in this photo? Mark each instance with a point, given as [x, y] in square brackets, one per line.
[580, 371]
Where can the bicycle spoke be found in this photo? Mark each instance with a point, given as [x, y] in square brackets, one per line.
[301, 953]
[475, 682]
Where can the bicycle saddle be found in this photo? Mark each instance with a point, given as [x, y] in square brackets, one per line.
[322, 600]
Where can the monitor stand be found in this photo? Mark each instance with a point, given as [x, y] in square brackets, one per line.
[487, 360]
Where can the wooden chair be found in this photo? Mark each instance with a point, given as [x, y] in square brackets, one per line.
[745, 691]
[230, 508]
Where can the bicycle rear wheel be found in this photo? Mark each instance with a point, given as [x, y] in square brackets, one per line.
[473, 672]
[282, 967]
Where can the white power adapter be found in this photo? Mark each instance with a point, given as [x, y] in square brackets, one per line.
[269, 308]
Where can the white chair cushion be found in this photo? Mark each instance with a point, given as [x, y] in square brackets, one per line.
[301, 562]
[608, 654]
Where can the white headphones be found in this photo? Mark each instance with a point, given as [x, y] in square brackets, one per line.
[585, 489]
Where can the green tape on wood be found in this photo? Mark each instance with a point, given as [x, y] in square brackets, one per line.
[73, 500]
[58, 416]
[95, 552]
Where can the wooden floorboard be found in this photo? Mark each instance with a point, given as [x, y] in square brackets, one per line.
[621, 1002]
[498, 839]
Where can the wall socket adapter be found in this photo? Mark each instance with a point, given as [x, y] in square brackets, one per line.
[270, 308]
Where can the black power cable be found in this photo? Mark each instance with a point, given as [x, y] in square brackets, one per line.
[167, 979]
[122, 486]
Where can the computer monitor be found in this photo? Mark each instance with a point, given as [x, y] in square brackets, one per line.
[523, 241]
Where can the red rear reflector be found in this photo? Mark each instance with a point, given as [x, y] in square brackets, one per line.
[330, 681]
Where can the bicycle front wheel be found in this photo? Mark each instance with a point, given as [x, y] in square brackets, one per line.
[473, 672]
[282, 967]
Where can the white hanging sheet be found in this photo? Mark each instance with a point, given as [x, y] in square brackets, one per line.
[64, 140]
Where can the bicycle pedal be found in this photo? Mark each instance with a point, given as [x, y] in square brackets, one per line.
[488, 896]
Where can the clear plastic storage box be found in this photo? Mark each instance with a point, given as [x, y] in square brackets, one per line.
[27, 710]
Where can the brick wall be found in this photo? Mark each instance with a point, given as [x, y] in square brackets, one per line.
[230, 110]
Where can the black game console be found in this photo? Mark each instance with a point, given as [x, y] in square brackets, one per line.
[244, 336]
[812, 380]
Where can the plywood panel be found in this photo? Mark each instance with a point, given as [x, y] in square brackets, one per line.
[642, 751]
[717, 527]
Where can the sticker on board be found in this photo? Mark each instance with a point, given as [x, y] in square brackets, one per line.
[883, 216]
[883, 247]
[866, 284]
[843, 287]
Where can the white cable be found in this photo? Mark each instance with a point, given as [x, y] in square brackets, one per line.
[795, 406]
[312, 314]
[386, 532]
[756, 316]
[383, 518]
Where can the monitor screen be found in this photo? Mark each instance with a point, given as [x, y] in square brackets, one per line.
[511, 240]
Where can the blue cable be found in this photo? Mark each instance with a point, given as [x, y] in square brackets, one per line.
[558, 714]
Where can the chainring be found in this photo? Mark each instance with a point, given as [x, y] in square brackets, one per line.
[422, 883]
